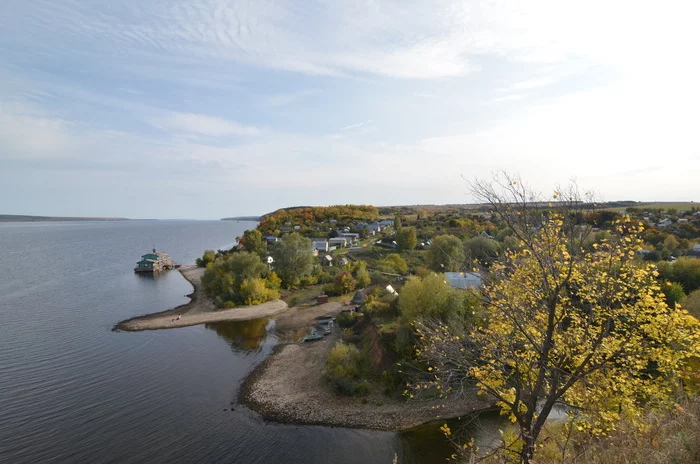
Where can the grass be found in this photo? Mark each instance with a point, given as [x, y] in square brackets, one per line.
[673, 437]
[304, 296]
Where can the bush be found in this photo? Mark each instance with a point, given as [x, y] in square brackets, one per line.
[393, 263]
[347, 334]
[273, 281]
[343, 367]
[346, 320]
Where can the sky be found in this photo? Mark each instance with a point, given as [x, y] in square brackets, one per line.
[212, 108]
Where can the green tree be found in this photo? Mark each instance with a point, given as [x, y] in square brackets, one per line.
[446, 253]
[273, 281]
[223, 279]
[406, 238]
[293, 259]
[362, 274]
[674, 293]
[566, 325]
[684, 270]
[253, 242]
[255, 291]
[393, 263]
[344, 283]
[397, 223]
[433, 297]
[482, 248]
[208, 257]
[692, 304]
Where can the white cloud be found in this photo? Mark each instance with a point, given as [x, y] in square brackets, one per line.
[284, 99]
[508, 98]
[202, 124]
[356, 126]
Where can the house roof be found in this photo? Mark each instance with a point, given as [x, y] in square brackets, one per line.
[463, 279]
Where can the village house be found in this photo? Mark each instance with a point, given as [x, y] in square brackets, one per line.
[319, 244]
[353, 237]
[327, 260]
[695, 251]
[374, 228]
[270, 239]
[463, 279]
[339, 242]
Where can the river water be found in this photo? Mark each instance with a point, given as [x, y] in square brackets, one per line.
[71, 390]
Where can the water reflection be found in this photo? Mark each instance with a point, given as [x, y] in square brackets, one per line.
[427, 444]
[243, 336]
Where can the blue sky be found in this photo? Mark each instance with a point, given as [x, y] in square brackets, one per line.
[205, 109]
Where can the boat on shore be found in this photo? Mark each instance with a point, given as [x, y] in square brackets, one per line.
[154, 262]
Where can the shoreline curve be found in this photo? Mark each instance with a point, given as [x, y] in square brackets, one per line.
[199, 310]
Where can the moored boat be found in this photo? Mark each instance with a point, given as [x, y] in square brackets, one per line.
[155, 262]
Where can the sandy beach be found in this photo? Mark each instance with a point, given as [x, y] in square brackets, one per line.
[200, 310]
[289, 387]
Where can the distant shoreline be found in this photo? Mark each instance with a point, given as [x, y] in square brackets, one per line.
[200, 310]
[243, 218]
[22, 218]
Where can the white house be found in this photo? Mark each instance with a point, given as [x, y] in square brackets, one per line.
[665, 223]
[463, 279]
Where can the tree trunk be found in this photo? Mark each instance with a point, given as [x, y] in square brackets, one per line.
[528, 450]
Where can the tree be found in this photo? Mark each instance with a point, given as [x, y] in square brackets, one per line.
[362, 274]
[273, 281]
[208, 257]
[223, 279]
[406, 238]
[588, 329]
[293, 258]
[482, 248]
[692, 303]
[393, 262]
[397, 223]
[684, 270]
[446, 253]
[432, 297]
[673, 292]
[255, 291]
[344, 283]
[253, 242]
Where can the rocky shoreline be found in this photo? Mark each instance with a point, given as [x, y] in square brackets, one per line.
[289, 387]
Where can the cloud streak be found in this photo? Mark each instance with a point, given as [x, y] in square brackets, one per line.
[203, 125]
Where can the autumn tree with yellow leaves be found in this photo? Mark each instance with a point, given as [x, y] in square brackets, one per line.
[564, 325]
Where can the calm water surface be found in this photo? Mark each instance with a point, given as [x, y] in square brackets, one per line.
[73, 391]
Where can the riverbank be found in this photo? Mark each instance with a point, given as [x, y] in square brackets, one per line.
[200, 310]
[289, 387]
